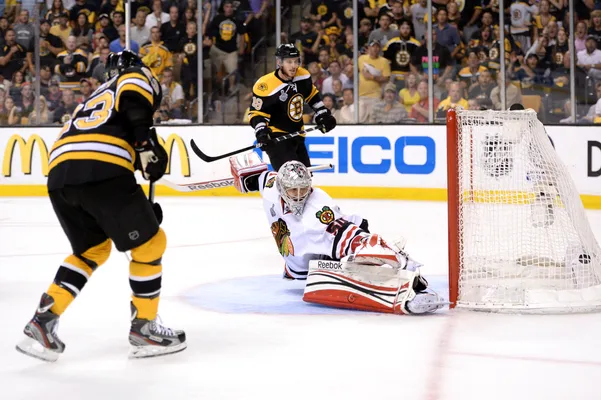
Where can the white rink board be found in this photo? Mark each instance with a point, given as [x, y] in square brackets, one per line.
[364, 156]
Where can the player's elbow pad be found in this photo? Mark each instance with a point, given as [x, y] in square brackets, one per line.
[139, 116]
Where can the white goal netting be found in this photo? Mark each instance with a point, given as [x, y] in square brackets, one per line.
[525, 243]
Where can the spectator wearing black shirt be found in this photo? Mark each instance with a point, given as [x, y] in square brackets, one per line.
[482, 89]
[72, 64]
[55, 12]
[141, 5]
[111, 6]
[595, 27]
[112, 32]
[50, 45]
[324, 12]
[345, 12]
[65, 110]
[225, 31]
[441, 61]
[104, 26]
[45, 75]
[13, 57]
[470, 16]
[173, 31]
[4, 25]
[189, 58]
[305, 40]
[83, 28]
[89, 9]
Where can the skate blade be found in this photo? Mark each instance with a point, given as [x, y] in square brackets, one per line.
[33, 348]
[155, 351]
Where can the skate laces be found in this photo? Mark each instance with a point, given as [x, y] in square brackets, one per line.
[161, 329]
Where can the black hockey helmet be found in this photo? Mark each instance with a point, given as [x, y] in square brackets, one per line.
[117, 62]
[287, 51]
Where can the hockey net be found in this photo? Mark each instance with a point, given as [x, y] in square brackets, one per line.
[519, 239]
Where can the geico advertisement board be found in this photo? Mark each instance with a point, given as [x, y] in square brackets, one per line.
[391, 158]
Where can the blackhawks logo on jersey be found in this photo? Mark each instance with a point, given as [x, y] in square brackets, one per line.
[281, 234]
[325, 216]
[270, 182]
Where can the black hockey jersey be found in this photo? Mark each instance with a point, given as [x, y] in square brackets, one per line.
[399, 52]
[280, 103]
[97, 142]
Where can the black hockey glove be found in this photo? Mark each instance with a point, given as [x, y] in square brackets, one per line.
[263, 135]
[325, 119]
[152, 158]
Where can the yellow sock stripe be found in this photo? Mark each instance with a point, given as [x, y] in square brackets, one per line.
[92, 155]
[147, 308]
[62, 298]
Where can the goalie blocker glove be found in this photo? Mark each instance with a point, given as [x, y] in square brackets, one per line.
[246, 169]
[152, 158]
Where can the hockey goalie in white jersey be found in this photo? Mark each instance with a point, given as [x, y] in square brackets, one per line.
[344, 265]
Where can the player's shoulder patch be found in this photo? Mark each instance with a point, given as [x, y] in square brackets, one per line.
[325, 215]
[266, 84]
[302, 73]
[270, 181]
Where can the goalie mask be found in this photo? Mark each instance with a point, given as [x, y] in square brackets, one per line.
[294, 185]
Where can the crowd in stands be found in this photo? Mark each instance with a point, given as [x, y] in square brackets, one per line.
[77, 35]
[393, 57]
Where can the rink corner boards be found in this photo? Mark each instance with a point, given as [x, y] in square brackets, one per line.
[342, 192]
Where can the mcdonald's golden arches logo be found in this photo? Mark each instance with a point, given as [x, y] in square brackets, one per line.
[25, 149]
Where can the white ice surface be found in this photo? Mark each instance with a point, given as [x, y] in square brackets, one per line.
[459, 356]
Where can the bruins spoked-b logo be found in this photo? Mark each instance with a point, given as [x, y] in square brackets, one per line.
[281, 234]
[403, 58]
[295, 107]
[325, 216]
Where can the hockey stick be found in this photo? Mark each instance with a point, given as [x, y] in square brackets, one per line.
[221, 183]
[278, 139]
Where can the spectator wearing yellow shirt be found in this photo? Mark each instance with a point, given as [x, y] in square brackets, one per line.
[63, 29]
[155, 54]
[374, 72]
[455, 99]
[468, 76]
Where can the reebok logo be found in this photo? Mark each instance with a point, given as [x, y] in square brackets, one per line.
[329, 265]
[211, 185]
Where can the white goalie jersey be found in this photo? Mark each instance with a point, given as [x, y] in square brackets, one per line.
[322, 232]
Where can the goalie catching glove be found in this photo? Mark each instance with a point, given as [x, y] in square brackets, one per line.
[245, 169]
[152, 158]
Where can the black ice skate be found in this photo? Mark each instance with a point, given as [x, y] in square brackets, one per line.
[151, 339]
[41, 340]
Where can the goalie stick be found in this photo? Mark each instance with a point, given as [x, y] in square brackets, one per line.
[221, 183]
[209, 159]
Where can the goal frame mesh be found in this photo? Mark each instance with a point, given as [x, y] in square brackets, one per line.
[544, 301]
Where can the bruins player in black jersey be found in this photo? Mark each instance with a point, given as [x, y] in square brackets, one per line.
[97, 200]
[277, 108]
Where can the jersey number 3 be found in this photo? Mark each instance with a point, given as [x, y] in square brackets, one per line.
[101, 107]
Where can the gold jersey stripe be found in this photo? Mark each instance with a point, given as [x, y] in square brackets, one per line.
[130, 87]
[132, 75]
[313, 93]
[255, 113]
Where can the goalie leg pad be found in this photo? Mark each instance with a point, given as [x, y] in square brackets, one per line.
[365, 287]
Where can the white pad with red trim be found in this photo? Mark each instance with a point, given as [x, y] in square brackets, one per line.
[244, 165]
[379, 288]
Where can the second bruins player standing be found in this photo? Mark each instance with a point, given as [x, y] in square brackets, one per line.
[277, 108]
